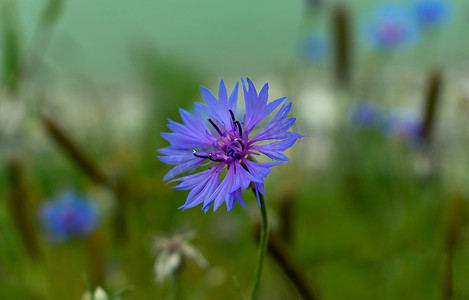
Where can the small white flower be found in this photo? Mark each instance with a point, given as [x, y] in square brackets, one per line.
[99, 294]
[171, 251]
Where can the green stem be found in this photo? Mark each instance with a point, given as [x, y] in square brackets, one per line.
[262, 247]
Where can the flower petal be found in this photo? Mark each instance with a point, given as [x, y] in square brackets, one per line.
[273, 150]
[233, 101]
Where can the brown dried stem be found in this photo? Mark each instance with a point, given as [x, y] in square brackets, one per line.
[341, 32]
[16, 200]
[432, 97]
[75, 152]
[278, 249]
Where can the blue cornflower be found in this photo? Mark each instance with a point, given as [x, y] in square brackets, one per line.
[390, 27]
[69, 215]
[430, 13]
[227, 141]
[406, 128]
[366, 114]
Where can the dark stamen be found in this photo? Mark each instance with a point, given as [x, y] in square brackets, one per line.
[236, 123]
[240, 129]
[209, 156]
[199, 155]
[232, 115]
[217, 160]
[216, 127]
[241, 143]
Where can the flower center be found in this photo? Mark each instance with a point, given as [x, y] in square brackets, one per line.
[71, 221]
[230, 145]
[392, 33]
[235, 149]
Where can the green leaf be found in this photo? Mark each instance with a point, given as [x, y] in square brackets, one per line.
[117, 295]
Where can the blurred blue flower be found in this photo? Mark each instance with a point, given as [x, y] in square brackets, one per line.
[430, 13]
[366, 114]
[227, 141]
[69, 215]
[315, 47]
[405, 128]
[402, 126]
[390, 27]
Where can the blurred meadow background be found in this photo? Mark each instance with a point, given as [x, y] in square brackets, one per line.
[373, 203]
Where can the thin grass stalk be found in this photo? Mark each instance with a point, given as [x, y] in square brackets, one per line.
[17, 204]
[341, 28]
[455, 222]
[278, 249]
[264, 235]
[432, 98]
[11, 48]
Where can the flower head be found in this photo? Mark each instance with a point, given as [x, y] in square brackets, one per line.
[406, 128]
[69, 215]
[390, 27]
[227, 140]
[430, 13]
